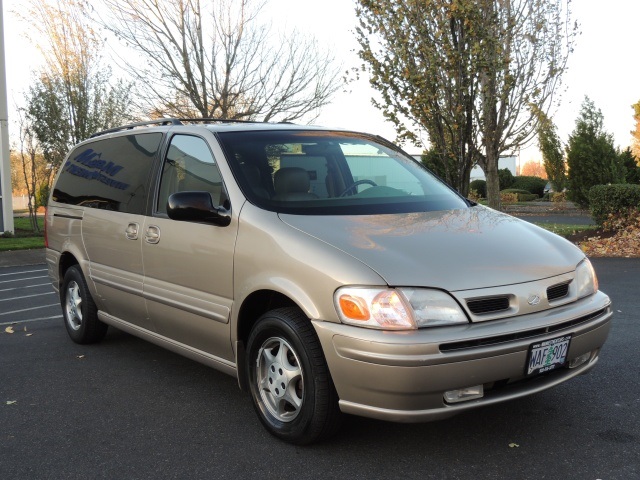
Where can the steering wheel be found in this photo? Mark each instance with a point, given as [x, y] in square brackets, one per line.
[355, 184]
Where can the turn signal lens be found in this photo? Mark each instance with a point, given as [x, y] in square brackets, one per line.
[354, 308]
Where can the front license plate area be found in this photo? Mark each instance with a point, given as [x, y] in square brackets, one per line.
[548, 355]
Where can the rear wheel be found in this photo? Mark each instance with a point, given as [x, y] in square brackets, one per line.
[79, 312]
[290, 384]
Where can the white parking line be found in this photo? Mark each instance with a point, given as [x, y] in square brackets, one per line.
[27, 296]
[21, 279]
[16, 322]
[28, 286]
[20, 273]
[29, 309]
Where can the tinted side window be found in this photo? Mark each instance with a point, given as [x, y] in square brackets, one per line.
[110, 174]
[188, 167]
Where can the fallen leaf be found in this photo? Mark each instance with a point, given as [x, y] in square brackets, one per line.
[25, 329]
[9, 329]
[513, 445]
[28, 334]
[11, 402]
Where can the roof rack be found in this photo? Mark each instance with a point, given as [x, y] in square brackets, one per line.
[212, 119]
[160, 121]
[170, 121]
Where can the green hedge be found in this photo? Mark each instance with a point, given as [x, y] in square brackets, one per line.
[523, 195]
[607, 199]
[530, 184]
[505, 178]
[479, 186]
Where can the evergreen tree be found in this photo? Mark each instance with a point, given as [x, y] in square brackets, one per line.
[552, 154]
[630, 162]
[591, 156]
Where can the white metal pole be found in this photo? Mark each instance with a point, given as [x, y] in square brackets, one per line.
[6, 199]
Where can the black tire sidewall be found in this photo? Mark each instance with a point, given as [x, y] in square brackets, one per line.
[87, 333]
[300, 430]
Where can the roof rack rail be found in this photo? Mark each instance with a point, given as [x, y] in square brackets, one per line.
[213, 119]
[159, 121]
[173, 121]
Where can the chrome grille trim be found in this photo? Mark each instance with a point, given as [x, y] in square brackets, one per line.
[484, 342]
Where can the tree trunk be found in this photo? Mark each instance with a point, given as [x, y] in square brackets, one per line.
[493, 181]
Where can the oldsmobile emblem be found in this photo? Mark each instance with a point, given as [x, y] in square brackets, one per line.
[533, 300]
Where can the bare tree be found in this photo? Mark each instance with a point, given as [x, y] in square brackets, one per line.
[526, 45]
[74, 72]
[35, 172]
[472, 73]
[215, 58]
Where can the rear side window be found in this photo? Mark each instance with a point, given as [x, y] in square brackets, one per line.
[110, 174]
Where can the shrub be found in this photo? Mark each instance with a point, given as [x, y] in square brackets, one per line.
[505, 178]
[558, 197]
[527, 197]
[610, 199]
[474, 196]
[530, 184]
[515, 190]
[521, 195]
[480, 186]
[508, 197]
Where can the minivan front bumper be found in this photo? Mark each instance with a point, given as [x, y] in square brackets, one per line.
[403, 376]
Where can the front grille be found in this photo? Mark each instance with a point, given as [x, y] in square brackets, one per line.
[483, 342]
[488, 305]
[557, 291]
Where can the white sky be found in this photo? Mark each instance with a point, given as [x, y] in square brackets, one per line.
[602, 66]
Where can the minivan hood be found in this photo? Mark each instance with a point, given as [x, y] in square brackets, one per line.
[453, 250]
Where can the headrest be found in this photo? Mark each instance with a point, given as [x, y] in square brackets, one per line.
[291, 180]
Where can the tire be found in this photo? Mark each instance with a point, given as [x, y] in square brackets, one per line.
[78, 309]
[289, 380]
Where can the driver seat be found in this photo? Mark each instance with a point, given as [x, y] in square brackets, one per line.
[291, 184]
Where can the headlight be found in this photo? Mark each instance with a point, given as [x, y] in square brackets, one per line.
[397, 309]
[586, 279]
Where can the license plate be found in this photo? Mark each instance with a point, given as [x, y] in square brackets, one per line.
[548, 355]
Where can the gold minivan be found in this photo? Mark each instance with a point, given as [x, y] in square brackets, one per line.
[327, 270]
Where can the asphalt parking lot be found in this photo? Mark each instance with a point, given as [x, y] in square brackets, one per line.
[127, 409]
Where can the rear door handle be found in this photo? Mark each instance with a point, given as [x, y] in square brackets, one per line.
[152, 235]
[132, 231]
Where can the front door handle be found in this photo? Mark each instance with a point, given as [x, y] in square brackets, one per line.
[152, 235]
[132, 231]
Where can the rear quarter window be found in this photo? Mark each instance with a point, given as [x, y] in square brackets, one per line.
[109, 174]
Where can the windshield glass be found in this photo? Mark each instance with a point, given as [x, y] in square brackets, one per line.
[322, 172]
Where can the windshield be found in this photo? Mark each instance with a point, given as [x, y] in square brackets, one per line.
[322, 172]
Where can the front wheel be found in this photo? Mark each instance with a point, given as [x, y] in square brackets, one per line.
[289, 380]
[79, 312]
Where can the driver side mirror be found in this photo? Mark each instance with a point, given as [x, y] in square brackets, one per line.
[196, 207]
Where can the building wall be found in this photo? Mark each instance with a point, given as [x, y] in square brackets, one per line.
[509, 162]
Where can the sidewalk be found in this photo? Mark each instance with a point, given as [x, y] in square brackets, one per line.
[560, 208]
[15, 258]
